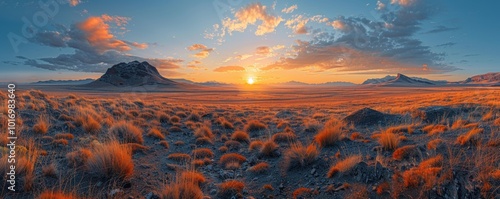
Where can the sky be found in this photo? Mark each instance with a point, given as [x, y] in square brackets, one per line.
[231, 41]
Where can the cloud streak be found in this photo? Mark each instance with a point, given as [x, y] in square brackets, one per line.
[202, 50]
[249, 15]
[229, 69]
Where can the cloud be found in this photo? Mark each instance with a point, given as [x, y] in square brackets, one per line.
[238, 57]
[202, 50]
[298, 24]
[74, 2]
[380, 5]
[250, 15]
[263, 51]
[439, 29]
[229, 69]
[289, 9]
[403, 2]
[361, 44]
[95, 47]
[448, 44]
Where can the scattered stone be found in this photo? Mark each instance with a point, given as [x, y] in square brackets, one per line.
[152, 195]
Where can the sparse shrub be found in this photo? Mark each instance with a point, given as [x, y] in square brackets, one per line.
[426, 172]
[260, 167]
[344, 165]
[127, 132]
[204, 131]
[78, 158]
[471, 137]
[459, 123]
[230, 188]
[164, 118]
[284, 137]
[255, 125]
[269, 149]
[56, 195]
[255, 145]
[42, 125]
[154, 132]
[388, 140]
[404, 152]
[111, 160]
[90, 125]
[356, 135]
[330, 134]
[302, 192]
[240, 136]
[201, 162]
[67, 136]
[231, 158]
[181, 157]
[202, 153]
[300, 156]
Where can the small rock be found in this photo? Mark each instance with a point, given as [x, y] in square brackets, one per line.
[152, 195]
[313, 171]
[281, 186]
[213, 191]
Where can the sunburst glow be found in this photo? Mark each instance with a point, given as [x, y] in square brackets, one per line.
[250, 81]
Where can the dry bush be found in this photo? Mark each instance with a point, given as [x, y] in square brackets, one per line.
[302, 192]
[404, 152]
[127, 132]
[154, 132]
[240, 136]
[284, 137]
[282, 124]
[269, 149]
[230, 188]
[182, 188]
[426, 172]
[344, 165]
[78, 158]
[178, 143]
[254, 125]
[56, 195]
[255, 145]
[42, 125]
[435, 129]
[388, 140]
[202, 153]
[330, 134]
[67, 136]
[181, 157]
[433, 144]
[204, 131]
[300, 156]
[472, 137]
[231, 158]
[224, 123]
[111, 160]
[260, 167]
[312, 126]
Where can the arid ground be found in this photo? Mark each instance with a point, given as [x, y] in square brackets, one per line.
[356, 142]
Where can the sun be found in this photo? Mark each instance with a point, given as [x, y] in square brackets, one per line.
[250, 81]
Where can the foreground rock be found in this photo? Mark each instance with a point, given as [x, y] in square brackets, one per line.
[368, 116]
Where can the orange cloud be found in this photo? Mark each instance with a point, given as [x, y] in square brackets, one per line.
[339, 25]
[98, 35]
[298, 24]
[289, 9]
[74, 2]
[203, 51]
[229, 69]
[250, 15]
[403, 2]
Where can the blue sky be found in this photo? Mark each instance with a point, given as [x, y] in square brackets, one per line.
[231, 41]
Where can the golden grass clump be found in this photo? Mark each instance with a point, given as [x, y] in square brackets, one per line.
[404, 152]
[240, 136]
[185, 186]
[231, 159]
[284, 137]
[269, 148]
[471, 137]
[426, 172]
[50, 170]
[230, 188]
[204, 131]
[388, 140]
[300, 156]
[330, 134]
[60, 142]
[112, 160]
[232, 145]
[434, 144]
[164, 143]
[497, 122]
[127, 132]
[193, 176]
[154, 132]
[78, 158]
[202, 153]
[42, 125]
[91, 125]
[344, 165]
[254, 125]
[260, 167]
[49, 194]
[67, 136]
[434, 129]
[180, 157]
[255, 145]
[302, 192]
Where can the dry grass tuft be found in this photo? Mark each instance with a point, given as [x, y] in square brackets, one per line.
[330, 134]
[269, 149]
[204, 140]
[260, 167]
[183, 187]
[255, 145]
[60, 142]
[497, 122]
[202, 153]
[284, 137]
[193, 176]
[434, 129]
[154, 132]
[42, 125]
[230, 159]
[232, 145]
[78, 158]
[472, 137]
[404, 152]
[230, 188]
[56, 195]
[127, 132]
[300, 156]
[302, 192]
[175, 119]
[255, 125]
[204, 131]
[180, 157]
[388, 140]
[426, 172]
[67, 136]
[111, 160]
[434, 144]
[344, 165]
[164, 143]
[240, 136]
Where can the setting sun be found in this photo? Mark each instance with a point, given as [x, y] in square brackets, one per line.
[250, 81]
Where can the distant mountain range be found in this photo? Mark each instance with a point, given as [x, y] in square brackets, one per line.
[142, 73]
